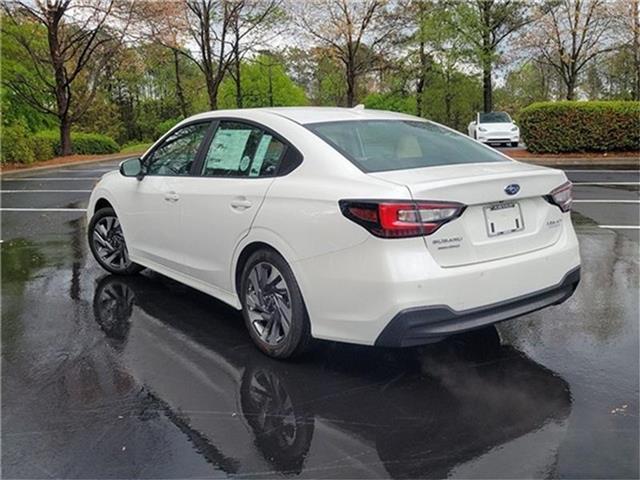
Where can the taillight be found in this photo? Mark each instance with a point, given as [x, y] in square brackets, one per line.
[400, 218]
[562, 196]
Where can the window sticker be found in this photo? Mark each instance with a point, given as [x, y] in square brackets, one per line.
[261, 153]
[227, 149]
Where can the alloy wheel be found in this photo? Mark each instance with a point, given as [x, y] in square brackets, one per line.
[109, 243]
[268, 303]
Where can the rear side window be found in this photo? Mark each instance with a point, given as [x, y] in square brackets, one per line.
[242, 150]
[383, 145]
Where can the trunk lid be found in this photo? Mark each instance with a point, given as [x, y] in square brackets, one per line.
[482, 233]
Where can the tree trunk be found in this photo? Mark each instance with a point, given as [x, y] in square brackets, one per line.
[62, 91]
[237, 79]
[179, 92]
[487, 56]
[487, 86]
[65, 136]
[351, 84]
[270, 85]
[635, 10]
[212, 89]
[447, 98]
[421, 79]
[571, 88]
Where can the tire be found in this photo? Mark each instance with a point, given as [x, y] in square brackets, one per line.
[269, 293]
[514, 144]
[108, 245]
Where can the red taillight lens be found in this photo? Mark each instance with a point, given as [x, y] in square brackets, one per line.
[562, 196]
[400, 219]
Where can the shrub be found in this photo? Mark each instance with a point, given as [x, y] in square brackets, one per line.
[163, 127]
[570, 126]
[82, 143]
[93, 143]
[16, 144]
[135, 147]
[43, 147]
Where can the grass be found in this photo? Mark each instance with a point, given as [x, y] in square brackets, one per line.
[135, 148]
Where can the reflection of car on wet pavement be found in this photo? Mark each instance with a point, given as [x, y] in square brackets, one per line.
[340, 224]
[432, 411]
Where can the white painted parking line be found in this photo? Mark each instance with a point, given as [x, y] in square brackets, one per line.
[621, 227]
[105, 169]
[601, 171]
[606, 201]
[43, 179]
[45, 191]
[606, 183]
[43, 209]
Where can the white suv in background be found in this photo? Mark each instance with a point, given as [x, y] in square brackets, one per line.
[352, 225]
[495, 128]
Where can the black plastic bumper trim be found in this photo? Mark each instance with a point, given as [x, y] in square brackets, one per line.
[421, 325]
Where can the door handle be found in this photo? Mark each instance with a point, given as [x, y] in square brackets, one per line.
[240, 203]
[171, 197]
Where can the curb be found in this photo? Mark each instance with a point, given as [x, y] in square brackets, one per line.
[119, 156]
[621, 163]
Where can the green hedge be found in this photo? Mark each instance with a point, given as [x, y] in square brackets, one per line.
[16, 144]
[570, 126]
[81, 143]
[19, 145]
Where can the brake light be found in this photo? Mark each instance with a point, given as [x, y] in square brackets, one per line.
[399, 218]
[562, 196]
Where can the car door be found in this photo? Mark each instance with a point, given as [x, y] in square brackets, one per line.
[236, 171]
[152, 207]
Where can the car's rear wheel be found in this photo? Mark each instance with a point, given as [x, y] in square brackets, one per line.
[107, 243]
[272, 306]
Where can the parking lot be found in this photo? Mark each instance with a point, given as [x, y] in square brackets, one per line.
[104, 376]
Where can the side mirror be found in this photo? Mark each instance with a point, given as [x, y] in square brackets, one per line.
[132, 167]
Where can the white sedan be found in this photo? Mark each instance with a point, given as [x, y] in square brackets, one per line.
[495, 128]
[352, 225]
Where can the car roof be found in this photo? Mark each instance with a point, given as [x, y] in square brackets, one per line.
[308, 115]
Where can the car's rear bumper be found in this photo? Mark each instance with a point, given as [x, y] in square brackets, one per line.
[420, 325]
[352, 295]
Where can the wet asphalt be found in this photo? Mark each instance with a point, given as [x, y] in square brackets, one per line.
[142, 377]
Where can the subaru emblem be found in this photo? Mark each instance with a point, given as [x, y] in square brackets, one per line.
[512, 189]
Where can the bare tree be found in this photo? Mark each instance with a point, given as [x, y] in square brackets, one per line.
[627, 13]
[164, 22]
[353, 31]
[485, 25]
[222, 31]
[79, 43]
[570, 35]
[258, 22]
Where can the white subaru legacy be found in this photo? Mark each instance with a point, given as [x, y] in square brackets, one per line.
[352, 225]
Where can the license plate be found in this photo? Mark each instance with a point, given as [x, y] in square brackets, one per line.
[503, 218]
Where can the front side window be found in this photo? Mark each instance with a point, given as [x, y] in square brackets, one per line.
[495, 117]
[383, 145]
[177, 152]
[242, 150]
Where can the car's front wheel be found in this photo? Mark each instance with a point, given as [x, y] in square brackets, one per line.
[107, 243]
[514, 144]
[272, 306]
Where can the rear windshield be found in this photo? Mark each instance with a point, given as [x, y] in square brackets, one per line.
[383, 145]
[495, 117]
